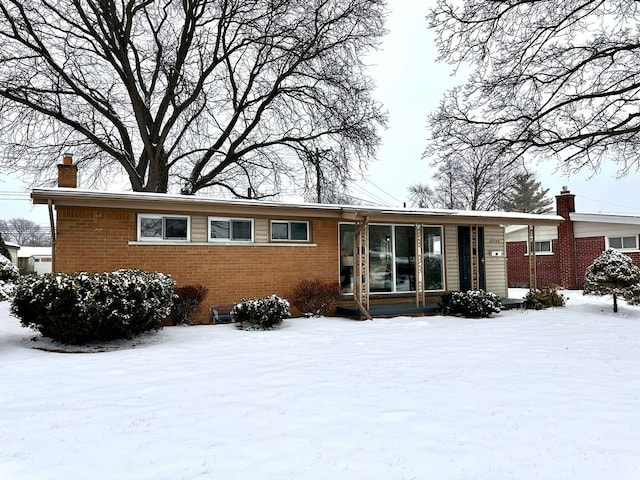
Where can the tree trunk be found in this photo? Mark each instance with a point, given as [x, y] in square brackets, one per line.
[615, 303]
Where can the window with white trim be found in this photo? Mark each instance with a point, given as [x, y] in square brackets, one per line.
[623, 242]
[163, 227]
[230, 229]
[294, 231]
[542, 246]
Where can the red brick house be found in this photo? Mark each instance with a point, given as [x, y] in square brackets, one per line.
[563, 253]
[246, 249]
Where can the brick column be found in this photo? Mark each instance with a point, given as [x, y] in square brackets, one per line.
[566, 247]
[67, 172]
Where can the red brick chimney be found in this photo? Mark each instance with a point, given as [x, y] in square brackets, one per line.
[67, 172]
[566, 247]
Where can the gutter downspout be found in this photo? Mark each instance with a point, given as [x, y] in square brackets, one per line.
[53, 235]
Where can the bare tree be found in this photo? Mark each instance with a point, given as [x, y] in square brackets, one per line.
[469, 175]
[551, 79]
[193, 94]
[421, 195]
[25, 232]
[326, 174]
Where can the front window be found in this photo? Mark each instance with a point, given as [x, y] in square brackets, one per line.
[405, 258]
[392, 258]
[347, 232]
[433, 264]
[380, 258]
[623, 243]
[230, 229]
[163, 227]
[289, 231]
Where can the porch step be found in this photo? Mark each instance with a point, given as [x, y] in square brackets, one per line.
[389, 309]
[399, 309]
[510, 303]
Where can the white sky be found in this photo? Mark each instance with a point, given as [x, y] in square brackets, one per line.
[410, 84]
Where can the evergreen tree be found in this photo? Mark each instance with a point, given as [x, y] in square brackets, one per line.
[4, 251]
[526, 195]
[612, 273]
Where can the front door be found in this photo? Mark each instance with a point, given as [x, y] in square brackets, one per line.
[471, 260]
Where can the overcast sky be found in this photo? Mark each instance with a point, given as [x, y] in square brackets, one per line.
[410, 84]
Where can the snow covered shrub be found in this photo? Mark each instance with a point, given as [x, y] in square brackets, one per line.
[542, 298]
[315, 297]
[473, 304]
[85, 307]
[187, 300]
[261, 313]
[612, 273]
[9, 274]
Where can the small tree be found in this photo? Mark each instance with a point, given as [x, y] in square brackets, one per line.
[612, 273]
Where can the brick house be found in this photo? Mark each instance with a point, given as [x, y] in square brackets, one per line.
[563, 253]
[247, 249]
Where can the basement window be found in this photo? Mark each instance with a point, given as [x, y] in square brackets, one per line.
[163, 227]
[623, 243]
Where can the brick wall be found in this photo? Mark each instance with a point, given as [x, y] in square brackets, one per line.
[518, 266]
[97, 240]
[570, 259]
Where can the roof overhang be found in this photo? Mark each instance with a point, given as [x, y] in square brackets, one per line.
[605, 218]
[168, 203]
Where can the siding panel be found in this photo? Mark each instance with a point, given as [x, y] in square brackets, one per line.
[198, 229]
[452, 275]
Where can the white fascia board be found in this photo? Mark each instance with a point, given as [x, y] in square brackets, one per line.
[605, 218]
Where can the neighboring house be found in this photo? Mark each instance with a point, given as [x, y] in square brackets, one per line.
[35, 260]
[13, 251]
[246, 249]
[563, 253]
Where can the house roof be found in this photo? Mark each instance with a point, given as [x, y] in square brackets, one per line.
[622, 218]
[26, 252]
[168, 203]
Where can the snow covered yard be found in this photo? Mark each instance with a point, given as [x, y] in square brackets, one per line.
[550, 395]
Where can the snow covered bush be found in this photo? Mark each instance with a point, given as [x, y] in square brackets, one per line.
[542, 298]
[612, 273]
[473, 304]
[261, 313]
[85, 307]
[315, 297]
[9, 274]
[187, 300]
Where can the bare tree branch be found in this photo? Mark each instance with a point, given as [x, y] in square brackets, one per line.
[551, 79]
[186, 94]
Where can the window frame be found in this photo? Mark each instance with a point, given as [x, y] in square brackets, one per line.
[621, 238]
[345, 275]
[163, 217]
[288, 223]
[541, 252]
[230, 239]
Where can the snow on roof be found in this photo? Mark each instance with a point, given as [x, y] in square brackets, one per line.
[26, 252]
[42, 195]
[622, 218]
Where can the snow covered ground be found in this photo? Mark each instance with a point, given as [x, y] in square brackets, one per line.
[524, 395]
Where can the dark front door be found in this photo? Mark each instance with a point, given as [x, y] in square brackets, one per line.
[469, 257]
